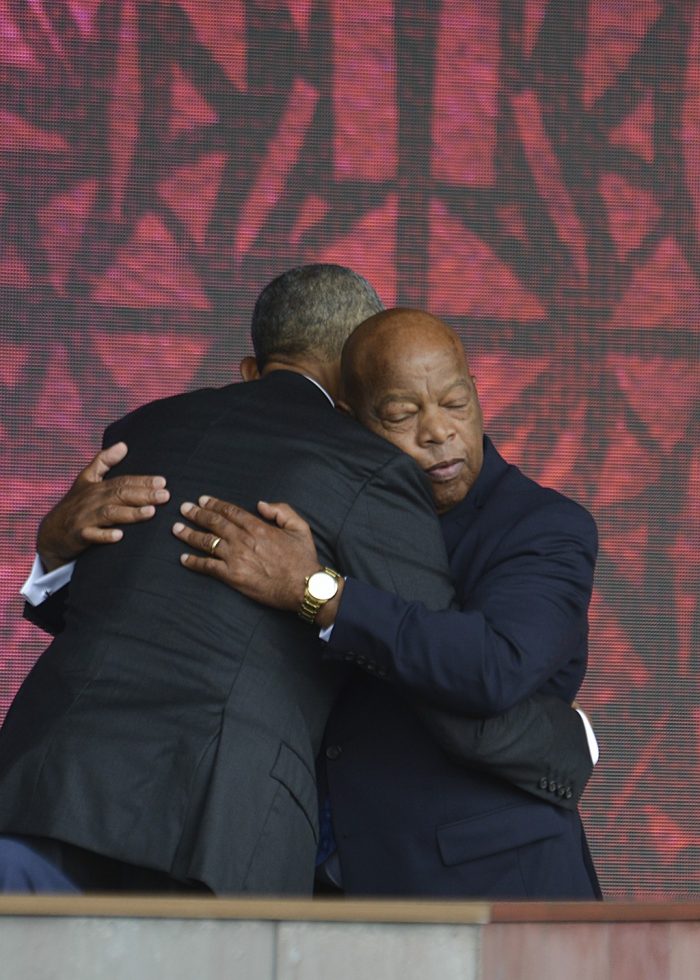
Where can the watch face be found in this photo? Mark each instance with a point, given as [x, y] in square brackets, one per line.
[322, 586]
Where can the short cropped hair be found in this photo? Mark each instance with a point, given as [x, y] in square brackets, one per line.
[311, 309]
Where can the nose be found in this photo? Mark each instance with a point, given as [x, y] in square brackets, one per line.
[435, 427]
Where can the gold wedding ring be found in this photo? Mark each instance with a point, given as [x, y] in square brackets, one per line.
[214, 545]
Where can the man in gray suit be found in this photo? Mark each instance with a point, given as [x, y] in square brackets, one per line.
[167, 737]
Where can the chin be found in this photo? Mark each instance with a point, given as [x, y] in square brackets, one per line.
[443, 504]
[450, 498]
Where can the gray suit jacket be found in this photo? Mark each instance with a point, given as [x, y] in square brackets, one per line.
[173, 723]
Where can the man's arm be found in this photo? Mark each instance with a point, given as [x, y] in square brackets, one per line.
[92, 507]
[85, 515]
[516, 628]
[390, 537]
[49, 614]
[539, 745]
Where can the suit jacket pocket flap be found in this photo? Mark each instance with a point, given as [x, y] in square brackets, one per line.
[499, 830]
[290, 770]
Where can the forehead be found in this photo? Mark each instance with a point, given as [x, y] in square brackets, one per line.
[419, 366]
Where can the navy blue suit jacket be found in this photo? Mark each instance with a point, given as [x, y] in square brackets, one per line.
[407, 819]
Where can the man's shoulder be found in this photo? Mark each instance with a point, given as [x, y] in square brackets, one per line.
[370, 459]
[170, 407]
[522, 495]
[549, 497]
[332, 431]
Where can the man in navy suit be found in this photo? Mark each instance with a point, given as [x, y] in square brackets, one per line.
[407, 819]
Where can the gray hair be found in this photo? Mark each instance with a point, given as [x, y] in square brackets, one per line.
[311, 309]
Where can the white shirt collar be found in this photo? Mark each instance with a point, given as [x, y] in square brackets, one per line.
[320, 388]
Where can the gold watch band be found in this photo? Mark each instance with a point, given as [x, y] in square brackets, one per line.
[311, 604]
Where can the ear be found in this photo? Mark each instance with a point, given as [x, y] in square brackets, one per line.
[345, 409]
[249, 369]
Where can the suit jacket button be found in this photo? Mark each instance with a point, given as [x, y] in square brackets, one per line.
[569, 794]
[561, 791]
[543, 783]
[349, 656]
[333, 752]
[552, 787]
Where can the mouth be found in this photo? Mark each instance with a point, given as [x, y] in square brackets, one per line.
[445, 471]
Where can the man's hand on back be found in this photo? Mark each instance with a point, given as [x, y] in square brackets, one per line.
[87, 514]
[267, 560]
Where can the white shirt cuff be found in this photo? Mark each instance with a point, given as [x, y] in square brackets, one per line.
[590, 736]
[325, 634]
[40, 584]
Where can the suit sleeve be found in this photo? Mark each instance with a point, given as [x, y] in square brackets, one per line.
[539, 745]
[49, 615]
[514, 630]
[391, 539]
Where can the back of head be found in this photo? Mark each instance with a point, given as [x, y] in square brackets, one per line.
[311, 309]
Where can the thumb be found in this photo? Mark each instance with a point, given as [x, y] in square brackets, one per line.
[98, 467]
[283, 515]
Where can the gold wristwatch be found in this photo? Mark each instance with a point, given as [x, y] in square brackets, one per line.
[319, 589]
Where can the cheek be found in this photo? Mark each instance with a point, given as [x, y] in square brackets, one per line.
[402, 439]
[472, 438]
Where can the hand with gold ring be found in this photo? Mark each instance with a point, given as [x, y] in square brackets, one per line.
[267, 560]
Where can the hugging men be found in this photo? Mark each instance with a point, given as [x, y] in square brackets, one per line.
[168, 735]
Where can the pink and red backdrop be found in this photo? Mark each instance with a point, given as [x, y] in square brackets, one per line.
[529, 170]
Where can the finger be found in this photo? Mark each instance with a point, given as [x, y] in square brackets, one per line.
[199, 539]
[101, 535]
[101, 464]
[221, 517]
[207, 519]
[98, 468]
[283, 515]
[205, 566]
[135, 491]
[232, 512]
[111, 514]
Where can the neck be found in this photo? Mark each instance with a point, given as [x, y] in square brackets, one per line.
[326, 373]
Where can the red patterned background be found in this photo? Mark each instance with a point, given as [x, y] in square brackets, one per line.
[529, 170]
